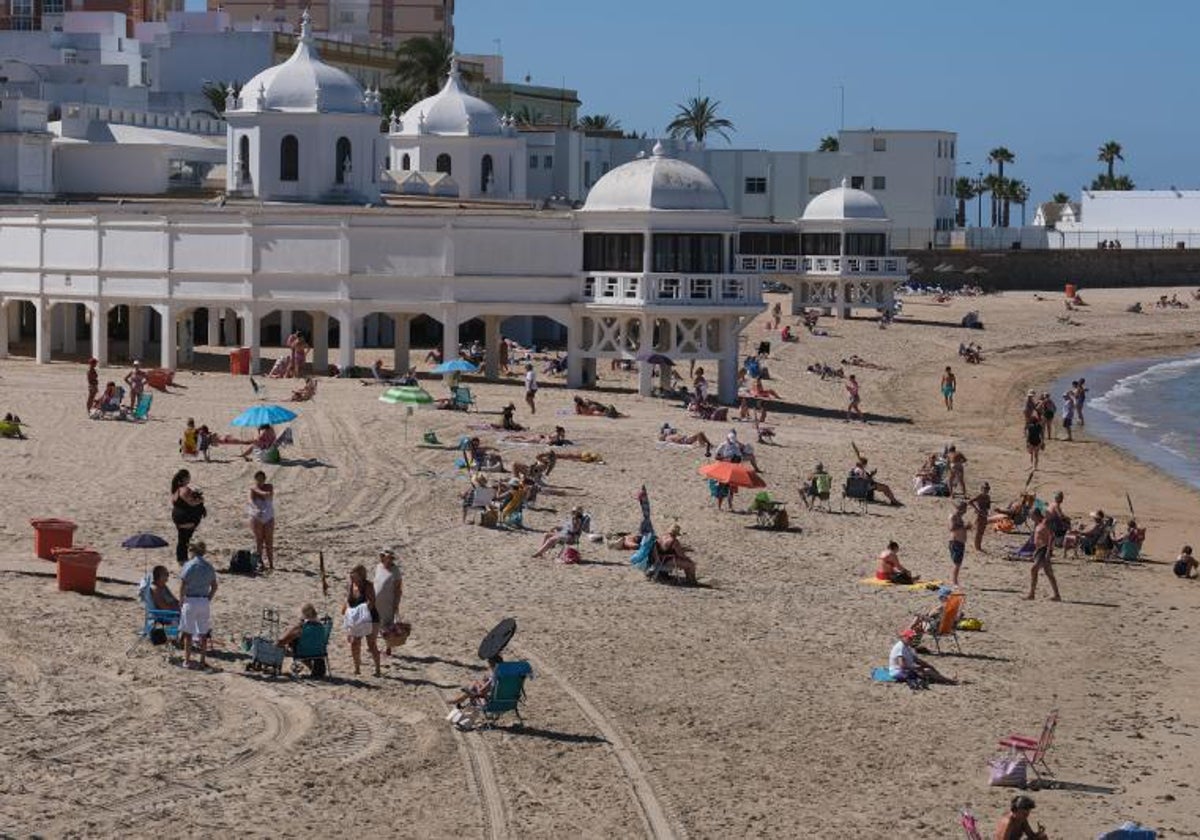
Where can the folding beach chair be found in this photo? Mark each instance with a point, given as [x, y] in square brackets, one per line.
[142, 410]
[1021, 552]
[463, 399]
[969, 825]
[312, 649]
[513, 514]
[481, 498]
[947, 625]
[158, 626]
[508, 689]
[1035, 749]
[770, 513]
[858, 490]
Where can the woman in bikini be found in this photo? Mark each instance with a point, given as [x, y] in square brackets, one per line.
[262, 518]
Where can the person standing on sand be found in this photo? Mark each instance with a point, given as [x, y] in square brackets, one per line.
[982, 505]
[1043, 549]
[262, 518]
[1033, 439]
[949, 386]
[531, 387]
[958, 539]
[1048, 410]
[1080, 398]
[853, 409]
[198, 585]
[1068, 412]
[957, 470]
[93, 383]
[136, 380]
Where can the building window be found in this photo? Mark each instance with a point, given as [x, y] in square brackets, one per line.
[485, 174]
[878, 182]
[821, 244]
[693, 252]
[53, 7]
[609, 287]
[548, 162]
[289, 159]
[406, 163]
[952, 145]
[756, 186]
[816, 186]
[702, 288]
[341, 157]
[866, 244]
[533, 161]
[857, 181]
[763, 243]
[244, 158]
[613, 251]
[631, 288]
[880, 144]
[443, 163]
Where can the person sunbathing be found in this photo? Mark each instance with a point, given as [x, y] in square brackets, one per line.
[484, 457]
[567, 534]
[477, 692]
[12, 427]
[1015, 512]
[540, 469]
[110, 399]
[904, 664]
[507, 423]
[308, 615]
[667, 434]
[434, 356]
[812, 485]
[592, 408]
[262, 443]
[1095, 538]
[1129, 543]
[928, 621]
[306, 391]
[891, 569]
[672, 554]
[860, 470]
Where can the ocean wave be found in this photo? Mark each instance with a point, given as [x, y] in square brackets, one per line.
[1126, 400]
[1180, 445]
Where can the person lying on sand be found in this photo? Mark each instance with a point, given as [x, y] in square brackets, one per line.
[858, 361]
[506, 419]
[306, 391]
[890, 568]
[667, 434]
[557, 438]
[542, 466]
[592, 408]
[904, 664]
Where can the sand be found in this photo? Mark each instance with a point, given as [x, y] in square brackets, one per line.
[740, 708]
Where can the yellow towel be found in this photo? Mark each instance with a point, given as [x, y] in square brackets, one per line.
[919, 585]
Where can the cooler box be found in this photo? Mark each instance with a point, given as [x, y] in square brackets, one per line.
[49, 534]
[239, 361]
[77, 569]
[1070, 290]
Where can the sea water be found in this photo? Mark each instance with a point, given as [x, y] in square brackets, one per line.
[1146, 407]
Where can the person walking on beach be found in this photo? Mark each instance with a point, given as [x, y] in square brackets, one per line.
[362, 591]
[198, 585]
[389, 588]
[982, 505]
[853, 409]
[262, 518]
[1043, 548]
[958, 539]
[1033, 439]
[187, 509]
[1048, 410]
[93, 383]
[949, 386]
[531, 387]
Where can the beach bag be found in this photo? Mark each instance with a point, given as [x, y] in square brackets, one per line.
[357, 621]
[569, 555]
[243, 562]
[902, 578]
[1008, 771]
[971, 624]
[396, 634]
[489, 518]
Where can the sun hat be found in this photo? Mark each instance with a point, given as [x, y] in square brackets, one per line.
[514, 482]
[908, 634]
[944, 592]
[387, 551]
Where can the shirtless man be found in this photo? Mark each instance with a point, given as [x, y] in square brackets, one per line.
[667, 434]
[1015, 824]
[1043, 548]
[853, 409]
[982, 505]
[949, 386]
[958, 539]
[957, 470]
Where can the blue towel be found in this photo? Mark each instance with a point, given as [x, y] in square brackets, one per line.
[882, 674]
[641, 557]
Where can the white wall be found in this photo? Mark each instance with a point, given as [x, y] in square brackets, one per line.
[182, 61]
[110, 169]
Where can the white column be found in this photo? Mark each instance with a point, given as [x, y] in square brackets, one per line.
[187, 340]
[574, 353]
[346, 330]
[250, 336]
[214, 326]
[70, 327]
[137, 331]
[41, 352]
[449, 333]
[320, 342]
[400, 361]
[285, 325]
[100, 332]
[5, 310]
[169, 350]
[491, 340]
[797, 300]
[645, 369]
[727, 364]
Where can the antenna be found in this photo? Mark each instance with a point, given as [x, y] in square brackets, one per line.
[841, 107]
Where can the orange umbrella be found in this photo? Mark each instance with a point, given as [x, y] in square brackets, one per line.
[735, 475]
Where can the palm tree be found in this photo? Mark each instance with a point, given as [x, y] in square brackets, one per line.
[1123, 182]
[599, 122]
[964, 191]
[1110, 153]
[999, 156]
[422, 64]
[993, 184]
[1018, 193]
[216, 94]
[527, 116]
[697, 119]
[829, 143]
[1060, 198]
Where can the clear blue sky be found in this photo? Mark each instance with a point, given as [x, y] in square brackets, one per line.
[1050, 80]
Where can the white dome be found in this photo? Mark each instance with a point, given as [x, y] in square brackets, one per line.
[656, 182]
[304, 83]
[453, 111]
[843, 203]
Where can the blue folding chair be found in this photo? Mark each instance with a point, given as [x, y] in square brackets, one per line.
[165, 622]
[508, 689]
[312, 648]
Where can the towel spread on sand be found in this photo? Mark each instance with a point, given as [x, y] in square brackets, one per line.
[919, 585]
[882, 674]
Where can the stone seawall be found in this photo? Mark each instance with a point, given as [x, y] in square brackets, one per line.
[1041, 270]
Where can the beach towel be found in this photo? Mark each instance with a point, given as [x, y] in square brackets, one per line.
[883, 675]
[641, 557]
[921, 585]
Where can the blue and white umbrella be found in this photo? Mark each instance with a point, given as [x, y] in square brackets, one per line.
[264, 415]
[456, 366]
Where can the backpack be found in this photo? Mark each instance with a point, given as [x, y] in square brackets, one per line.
[244, 562]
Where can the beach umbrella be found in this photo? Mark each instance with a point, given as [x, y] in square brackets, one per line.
[264, 414]
[656, 359]
[735, 475]
[456, 366]
[406, 394]
[145, 540]
[497, 640]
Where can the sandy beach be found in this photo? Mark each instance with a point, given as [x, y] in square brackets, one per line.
[740, 708]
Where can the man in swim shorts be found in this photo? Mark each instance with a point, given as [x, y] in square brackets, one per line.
[949, 386]
[958, 539]
[1043, 548]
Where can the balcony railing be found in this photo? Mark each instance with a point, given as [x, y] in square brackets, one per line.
[672, 289]
[843, 266]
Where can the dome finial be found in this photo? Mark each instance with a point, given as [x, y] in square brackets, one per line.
[306, 27]
[845, 182]
[658, 150]
[455, 70]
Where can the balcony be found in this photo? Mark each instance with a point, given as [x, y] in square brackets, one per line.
[671, 290]
[835, 265]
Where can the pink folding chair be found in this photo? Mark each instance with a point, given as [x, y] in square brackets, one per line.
[1035, 749]
[969, 826]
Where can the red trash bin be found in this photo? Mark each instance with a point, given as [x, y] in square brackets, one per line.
[49, 534]
[239, 361]
[77, 569]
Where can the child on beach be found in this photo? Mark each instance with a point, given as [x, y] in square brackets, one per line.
[1185, 564]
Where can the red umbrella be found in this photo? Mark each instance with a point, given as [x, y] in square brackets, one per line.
[735, 475]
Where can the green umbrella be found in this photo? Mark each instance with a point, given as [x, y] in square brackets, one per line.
[408, 394]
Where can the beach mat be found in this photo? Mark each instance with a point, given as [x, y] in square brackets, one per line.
[912, 587]
[882, 674]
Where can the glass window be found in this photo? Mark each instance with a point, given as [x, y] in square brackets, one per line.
[878, 182]
[289, 159]
[341, 158]
[866, 244]
[444, 164]
[756, 186]
[880, 144]
[773, 243]
[817, 186]
[821, 244]
[533, 161]
[243, 161]
[485, 174]
[612, 251]
[952, 145]
[52, 7]
[406, 163]
[857, 181]
[698, 252]
[548, 162]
